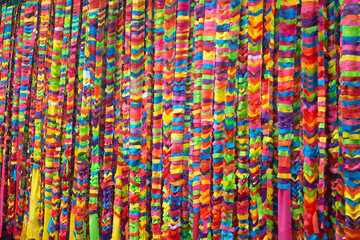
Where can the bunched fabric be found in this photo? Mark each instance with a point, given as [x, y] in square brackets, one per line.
[180, 119]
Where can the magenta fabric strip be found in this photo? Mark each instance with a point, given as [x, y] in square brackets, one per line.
[284, 227]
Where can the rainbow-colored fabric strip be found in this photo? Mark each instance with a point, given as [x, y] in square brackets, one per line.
[180, 119]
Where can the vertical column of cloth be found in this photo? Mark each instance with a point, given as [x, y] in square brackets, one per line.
[168, 82]
[5, 158]
[98, 137]
[69, 122]
[22, 107]
[146, 122]
[310, 113]
[77, 117]
[2, 120]
[5, 103]
[228, 208]
[219, 167]
[126, 111]
[340, 183]
[189, 123]
[336, 135]
[321, 103]
[31, 162]
[276, 124]
[350, 106]
[30, 132]
[31, 138]
[11, 187]
[94, 98]
[44, 129]
[52, 156]
[190, 95]
[39, 115]
[329, 216]
[82, 177]
[286, 71]
[137, 227]
[332, 114]
[10, 206]
[54, 118]
[177, 134]
[96, 121]
[109, 120]
[30, 25]
[295, 144]
[186, 202]
[242, 130]
[62, 27]
[207, 117]
[118, 120]
[221, 47]
[146, 153]
[47, 171]
[102, 120]
[103, 111]
[254, 91]
[2, 109]
[95, 61]
[224, 98]
[267, 119]
[145, 224]
[20, 115]
[187, 214]
[197, 74]
[156, 175]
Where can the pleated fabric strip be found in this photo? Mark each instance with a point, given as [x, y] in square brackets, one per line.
[349, 105]
[179, 119]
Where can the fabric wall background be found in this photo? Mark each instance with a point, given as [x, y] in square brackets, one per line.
[180, 119]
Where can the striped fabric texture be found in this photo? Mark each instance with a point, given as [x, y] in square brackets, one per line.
[180, 119]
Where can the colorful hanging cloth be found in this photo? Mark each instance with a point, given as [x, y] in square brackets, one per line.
[180, 119]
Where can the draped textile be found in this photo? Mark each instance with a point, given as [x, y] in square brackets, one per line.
[180, 119]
